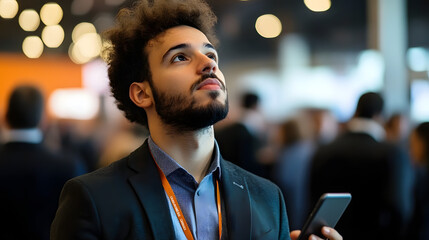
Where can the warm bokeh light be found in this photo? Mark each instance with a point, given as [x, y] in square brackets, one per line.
[8, 8]
[318, 5]
[32, 47]
[29, 20]
[74, 103]
[76, 56]
[53, 36]
[51, 13]
[268, 26]
[81, 29]
[89, 45]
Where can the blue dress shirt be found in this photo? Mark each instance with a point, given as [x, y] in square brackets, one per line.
[197, 201]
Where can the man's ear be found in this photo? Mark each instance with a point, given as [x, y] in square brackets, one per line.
[141, 94]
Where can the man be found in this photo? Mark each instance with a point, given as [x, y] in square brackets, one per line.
[164, 74]
[376, 173]
[31, 176]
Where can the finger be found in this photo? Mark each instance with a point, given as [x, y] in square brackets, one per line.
[295, 234]
[314, 237]
[331, 233]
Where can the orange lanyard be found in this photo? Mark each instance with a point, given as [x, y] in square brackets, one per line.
[176, 207]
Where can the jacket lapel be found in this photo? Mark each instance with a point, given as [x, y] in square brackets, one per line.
[150, 192]
[237, 203]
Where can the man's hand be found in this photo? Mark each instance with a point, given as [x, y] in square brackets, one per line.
[328, 232]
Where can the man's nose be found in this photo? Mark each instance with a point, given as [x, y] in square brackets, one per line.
[208, 65]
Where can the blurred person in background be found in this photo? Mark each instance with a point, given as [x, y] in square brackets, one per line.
[419, 150]
[397, 129]
[241, 140]
[164, 74]
[77, 138]
[359, 161]
[291, 170]
[121, 141]
[31, 176]
[398, 133]
[323, 125]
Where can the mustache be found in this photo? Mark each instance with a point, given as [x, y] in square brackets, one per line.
[204, 77]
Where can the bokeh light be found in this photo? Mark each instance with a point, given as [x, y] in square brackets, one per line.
[53, 36]
[29, 20]
[318, 5]
[32, 47]
[81, 29]
[86, 48]
[268, 26]
[418, 59]
[8, 8]
[51, 14]
[74, 103]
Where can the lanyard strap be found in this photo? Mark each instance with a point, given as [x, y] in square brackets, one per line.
[178, 211]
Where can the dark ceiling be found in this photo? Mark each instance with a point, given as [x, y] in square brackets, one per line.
[342, 28]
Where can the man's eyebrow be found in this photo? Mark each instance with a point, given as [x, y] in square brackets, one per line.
[182, 45]
[208, 45]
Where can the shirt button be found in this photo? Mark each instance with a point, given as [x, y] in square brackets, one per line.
[198, 193]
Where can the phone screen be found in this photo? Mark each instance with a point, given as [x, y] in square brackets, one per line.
[328, 210]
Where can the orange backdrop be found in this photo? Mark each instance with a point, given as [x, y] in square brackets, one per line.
[48, 73]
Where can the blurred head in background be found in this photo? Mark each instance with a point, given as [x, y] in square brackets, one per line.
[250, 100]
[370, 106]
[25, 108]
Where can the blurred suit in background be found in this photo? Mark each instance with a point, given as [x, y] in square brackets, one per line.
[375, 172]
[31, 176]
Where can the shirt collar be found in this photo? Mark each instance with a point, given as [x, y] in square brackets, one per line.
[367, 126]
[30, 135]
[168, 165]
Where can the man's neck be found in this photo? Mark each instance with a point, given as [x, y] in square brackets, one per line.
[193, 150]
[368, 126]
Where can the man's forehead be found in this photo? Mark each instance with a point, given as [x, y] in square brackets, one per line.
[179, 35]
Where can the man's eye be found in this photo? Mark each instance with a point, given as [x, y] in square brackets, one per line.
[212, 56]
[179, 58]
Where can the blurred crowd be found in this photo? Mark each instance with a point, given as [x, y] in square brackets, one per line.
[381, 160]
[39, 154]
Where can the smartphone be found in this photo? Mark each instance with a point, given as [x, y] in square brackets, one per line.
[328, 210]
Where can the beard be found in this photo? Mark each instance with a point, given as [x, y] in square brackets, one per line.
[184, 114]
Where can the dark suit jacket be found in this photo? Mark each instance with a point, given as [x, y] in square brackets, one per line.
[126, 200]
[370, 171]
[31, 179]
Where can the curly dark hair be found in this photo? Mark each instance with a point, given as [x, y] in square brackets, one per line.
[135, 27]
